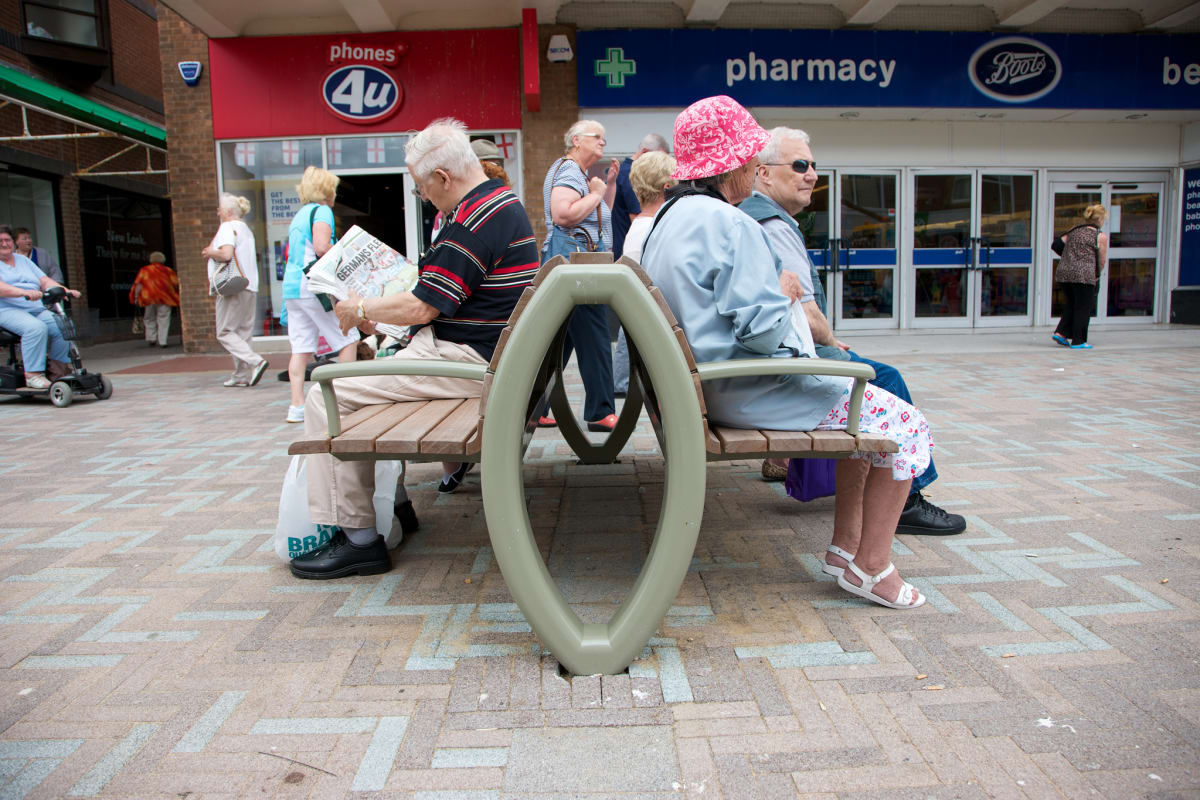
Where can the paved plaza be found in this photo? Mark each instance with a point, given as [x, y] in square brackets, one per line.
[152, 645]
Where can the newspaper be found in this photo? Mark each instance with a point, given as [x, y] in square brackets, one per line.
[359, 263]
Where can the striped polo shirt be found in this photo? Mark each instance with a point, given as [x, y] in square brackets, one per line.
[476, 270]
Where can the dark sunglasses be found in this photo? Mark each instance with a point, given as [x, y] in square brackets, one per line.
[799, 165]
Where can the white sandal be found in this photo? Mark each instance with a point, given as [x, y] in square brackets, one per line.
[830, 569]
[904, 599]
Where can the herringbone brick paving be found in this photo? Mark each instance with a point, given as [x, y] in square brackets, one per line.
[152, 645]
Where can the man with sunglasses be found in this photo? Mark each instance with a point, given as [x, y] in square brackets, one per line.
[783, 188]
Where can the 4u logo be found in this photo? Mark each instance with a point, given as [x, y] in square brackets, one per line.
[361, 93]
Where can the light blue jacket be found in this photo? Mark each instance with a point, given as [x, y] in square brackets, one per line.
[721, 280]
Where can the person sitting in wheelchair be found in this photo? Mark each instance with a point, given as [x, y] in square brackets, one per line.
[22, 312]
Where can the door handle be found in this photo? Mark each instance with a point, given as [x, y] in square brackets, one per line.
[834, 248]
[985, 245]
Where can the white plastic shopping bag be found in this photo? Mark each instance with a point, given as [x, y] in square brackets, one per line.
[295, 535]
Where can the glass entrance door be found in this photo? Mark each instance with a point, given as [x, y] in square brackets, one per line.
[1127, 288]
[972, 248]
[855, 248]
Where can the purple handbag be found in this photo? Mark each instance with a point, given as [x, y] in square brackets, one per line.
[810, 478]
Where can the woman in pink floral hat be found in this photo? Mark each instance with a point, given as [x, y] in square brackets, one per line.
[721, 279]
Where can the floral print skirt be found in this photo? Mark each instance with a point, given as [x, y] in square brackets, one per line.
[887, 415]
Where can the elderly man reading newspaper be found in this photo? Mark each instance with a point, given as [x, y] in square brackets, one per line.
[470, 281]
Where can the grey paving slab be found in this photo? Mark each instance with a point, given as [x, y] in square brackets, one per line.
[638, 759]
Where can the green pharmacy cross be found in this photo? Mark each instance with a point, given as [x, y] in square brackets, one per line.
[615, 68]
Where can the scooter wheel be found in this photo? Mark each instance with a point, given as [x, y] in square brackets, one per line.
[105, 389]
[61, 394]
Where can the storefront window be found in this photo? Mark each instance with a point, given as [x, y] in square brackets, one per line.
[1131, 287]
[365, 152]
[266, 174]
[1134, 220]
[943, 211]
[869, 211]
[1007, 210]
[28, 202]
[120, 230]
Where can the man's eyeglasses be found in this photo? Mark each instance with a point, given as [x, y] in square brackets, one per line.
[800, 165]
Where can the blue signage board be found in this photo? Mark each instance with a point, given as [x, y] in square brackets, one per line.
[920, 69]
[1189, 239]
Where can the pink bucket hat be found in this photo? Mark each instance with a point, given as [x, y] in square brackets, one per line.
[713, 136]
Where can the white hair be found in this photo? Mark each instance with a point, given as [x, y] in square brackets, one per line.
[770, 153]
[232, 204]
[652, 142]
[442, 145]
[582, 126]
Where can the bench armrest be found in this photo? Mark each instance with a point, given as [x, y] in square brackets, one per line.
[434, 368]
[749, 367]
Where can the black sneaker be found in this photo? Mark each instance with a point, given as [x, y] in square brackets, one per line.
[342, 557]
[407, 516]
[922, 517]
[451, 482]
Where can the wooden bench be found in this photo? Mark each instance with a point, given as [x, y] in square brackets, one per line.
[495, 428]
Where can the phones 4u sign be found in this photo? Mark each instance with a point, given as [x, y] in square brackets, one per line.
[288, 86]
[363, 92]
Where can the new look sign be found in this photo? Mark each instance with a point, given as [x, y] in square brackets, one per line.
[921, 69]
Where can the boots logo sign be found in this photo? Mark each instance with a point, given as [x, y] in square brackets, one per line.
[358, 92]
[1015, 69]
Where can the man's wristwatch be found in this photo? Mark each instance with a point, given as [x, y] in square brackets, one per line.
[362, 311]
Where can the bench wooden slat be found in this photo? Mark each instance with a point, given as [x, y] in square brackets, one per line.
[542, 273]
[636, 269]
[361, 438]
[740, 440]
[832, 442]
[320, 444]
[711, 443]
[501, 343]
[700, 394]
[876, 443]
[681, 337]
[657, 294]
[451, 434]
[407, 437]
[585, 257]
[791, 441]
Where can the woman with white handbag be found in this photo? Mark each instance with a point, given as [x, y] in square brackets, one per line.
[233, 279]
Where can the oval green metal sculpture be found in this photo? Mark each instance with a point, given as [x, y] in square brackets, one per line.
[590, 648]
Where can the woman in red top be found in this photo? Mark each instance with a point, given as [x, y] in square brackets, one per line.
[156, 289]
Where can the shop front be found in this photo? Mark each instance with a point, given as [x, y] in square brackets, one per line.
[947, 161]
[349, 104]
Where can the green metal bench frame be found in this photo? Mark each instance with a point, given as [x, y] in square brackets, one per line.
[527, 369]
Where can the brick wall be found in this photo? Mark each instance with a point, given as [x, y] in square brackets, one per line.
[136, 62]
[542, 131]
[192, 156]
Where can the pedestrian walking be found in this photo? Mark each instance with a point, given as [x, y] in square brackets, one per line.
[156, 291]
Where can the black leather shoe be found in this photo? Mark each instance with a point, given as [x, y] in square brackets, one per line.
[341, 557]
[923, 518]
[451, 482]
[407, 516]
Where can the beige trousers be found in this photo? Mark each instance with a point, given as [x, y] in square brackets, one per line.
[157, 317]
[340, 492]
[235, 323]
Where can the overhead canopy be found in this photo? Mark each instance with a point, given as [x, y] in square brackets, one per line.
[45, 95]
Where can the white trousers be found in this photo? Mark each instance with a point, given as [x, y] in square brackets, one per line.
[158, 322]
[341, 492]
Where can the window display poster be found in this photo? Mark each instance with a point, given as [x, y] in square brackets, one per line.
[282, 204]
[1189, 240]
